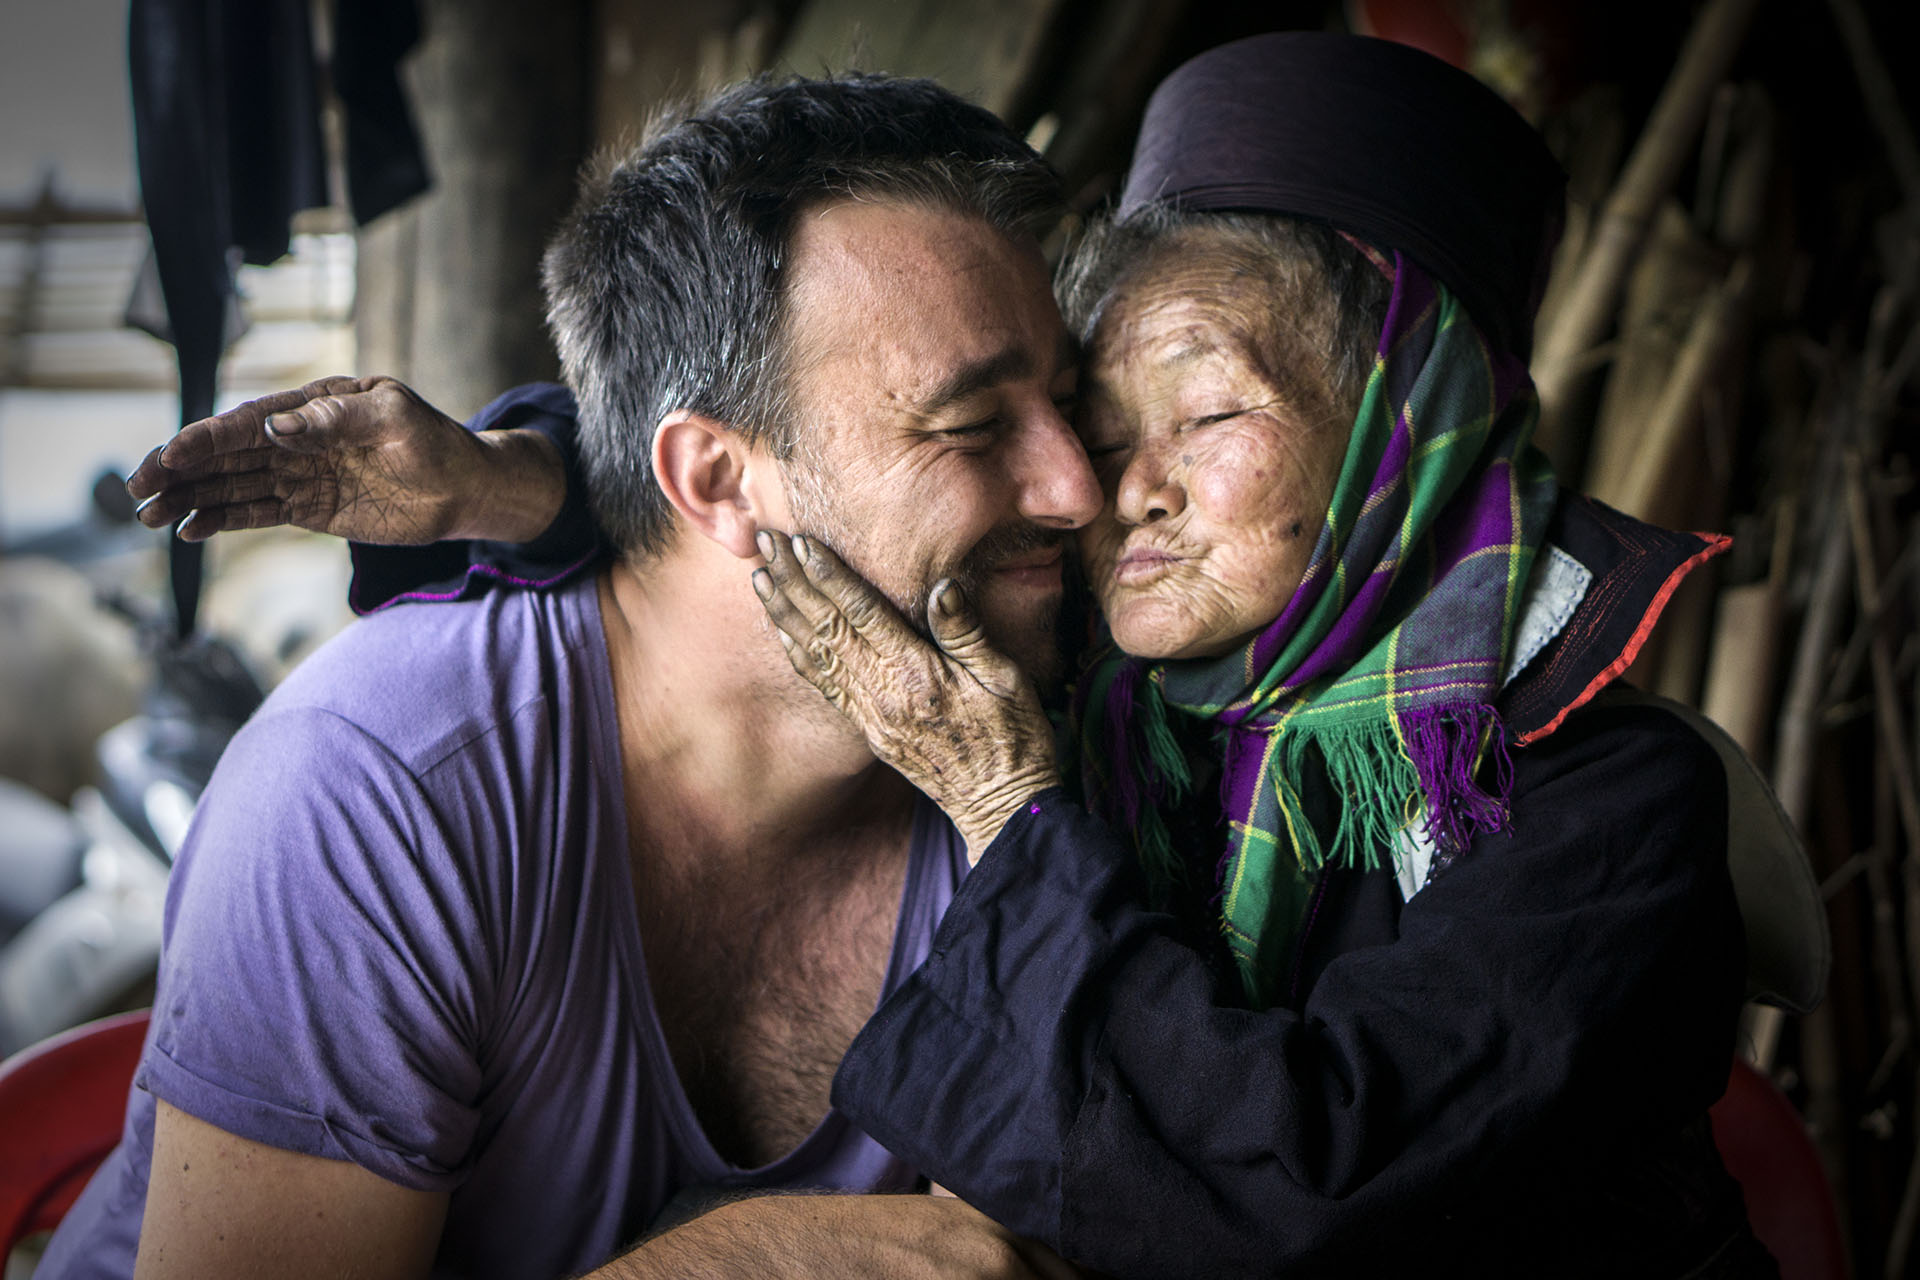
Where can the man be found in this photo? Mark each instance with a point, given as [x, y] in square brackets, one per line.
[502, 924]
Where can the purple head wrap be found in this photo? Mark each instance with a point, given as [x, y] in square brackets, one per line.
[1377, 139]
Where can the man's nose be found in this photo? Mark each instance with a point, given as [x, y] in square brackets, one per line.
[1054, 481]
[1148, 491]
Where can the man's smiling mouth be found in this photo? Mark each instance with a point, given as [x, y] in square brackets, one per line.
[1036, 568]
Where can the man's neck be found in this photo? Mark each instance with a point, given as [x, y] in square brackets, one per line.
[768, 847]
[723, 746]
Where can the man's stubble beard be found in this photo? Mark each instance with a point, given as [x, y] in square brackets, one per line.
[1035, 647]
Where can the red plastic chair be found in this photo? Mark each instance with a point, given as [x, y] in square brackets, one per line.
[1764, 1144]
[62, 1104]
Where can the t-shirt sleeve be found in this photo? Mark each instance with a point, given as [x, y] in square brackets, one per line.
[317, 989]
[1065, 1057]
[461, 570]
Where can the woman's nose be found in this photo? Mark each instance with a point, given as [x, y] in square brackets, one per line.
[1148, 490]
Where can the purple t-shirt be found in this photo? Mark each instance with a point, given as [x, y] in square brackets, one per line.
[401, 932]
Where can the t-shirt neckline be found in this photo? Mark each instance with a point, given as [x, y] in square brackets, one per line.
[580, 606]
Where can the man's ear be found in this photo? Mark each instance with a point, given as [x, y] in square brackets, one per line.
[711, 476]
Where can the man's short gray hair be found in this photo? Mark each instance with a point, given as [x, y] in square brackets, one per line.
[666, 286]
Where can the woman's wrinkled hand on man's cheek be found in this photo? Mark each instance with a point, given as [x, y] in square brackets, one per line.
[955, 717]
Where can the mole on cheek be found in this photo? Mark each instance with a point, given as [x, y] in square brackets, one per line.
[1296, 529]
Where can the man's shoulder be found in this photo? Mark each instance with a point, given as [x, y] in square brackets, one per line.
[423, 680]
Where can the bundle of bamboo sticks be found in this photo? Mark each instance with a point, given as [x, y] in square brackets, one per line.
[1668, 310]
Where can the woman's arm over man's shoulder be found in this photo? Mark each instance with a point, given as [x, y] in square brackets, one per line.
[435, 510]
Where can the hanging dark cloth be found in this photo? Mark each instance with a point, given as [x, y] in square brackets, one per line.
[226, 111]
[384, 164]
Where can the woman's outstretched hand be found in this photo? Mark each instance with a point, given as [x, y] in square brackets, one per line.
[957, 718]
[360, 458]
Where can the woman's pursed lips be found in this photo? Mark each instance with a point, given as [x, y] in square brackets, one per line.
[1143, 564]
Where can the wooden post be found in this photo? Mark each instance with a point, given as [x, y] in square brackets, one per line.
[450, 291]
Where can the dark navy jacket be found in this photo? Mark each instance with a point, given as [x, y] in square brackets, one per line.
[1507, 1074]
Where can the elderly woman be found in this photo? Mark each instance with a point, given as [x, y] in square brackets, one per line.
[1369, 939]
[1431, 960]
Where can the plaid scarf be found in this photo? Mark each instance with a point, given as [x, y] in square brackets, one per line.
[1382, 669]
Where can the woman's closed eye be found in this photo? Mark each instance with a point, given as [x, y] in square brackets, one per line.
[971, 431]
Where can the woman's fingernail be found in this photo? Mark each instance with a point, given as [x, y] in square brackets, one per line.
[145, 504]
[285, 424]
[800, 548]
[947, 597]
[764, 541]
[763, 584]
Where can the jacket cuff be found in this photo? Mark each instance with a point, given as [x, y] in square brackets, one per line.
[446, 571]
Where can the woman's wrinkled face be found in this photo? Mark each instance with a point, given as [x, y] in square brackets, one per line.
[1217, 439]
